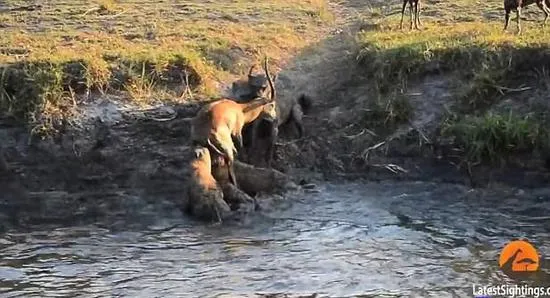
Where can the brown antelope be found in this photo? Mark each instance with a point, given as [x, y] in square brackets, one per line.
[204, 195]
[219, 124]
[517, 5]
[412, 4]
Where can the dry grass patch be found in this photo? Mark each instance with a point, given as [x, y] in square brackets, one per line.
[146, 48]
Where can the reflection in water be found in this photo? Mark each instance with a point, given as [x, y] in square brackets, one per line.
[405, 239]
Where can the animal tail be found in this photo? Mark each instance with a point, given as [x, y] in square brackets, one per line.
[305, 102]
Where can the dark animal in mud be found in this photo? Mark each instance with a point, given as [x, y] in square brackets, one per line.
[204, 195]
[235, 197]
[255, 180]
[219, 125]
[289, 111]
[413, 5]
[254, 86]
[518, 5]
[293, 111]
[3, 162]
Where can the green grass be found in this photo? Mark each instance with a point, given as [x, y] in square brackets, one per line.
[143, 48]
[464, 41]
[386, 113]
[495, 137]
[478, 53]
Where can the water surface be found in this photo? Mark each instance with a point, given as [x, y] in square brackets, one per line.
[392, 239]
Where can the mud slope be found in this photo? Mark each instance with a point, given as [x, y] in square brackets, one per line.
[118, 158]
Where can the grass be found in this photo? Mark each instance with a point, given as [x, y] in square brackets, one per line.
[142, 48]
[386, 113]
[465, 41]
[479, 53]
[496, 137]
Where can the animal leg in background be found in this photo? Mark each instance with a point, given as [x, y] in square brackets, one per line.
[411, 15]
[403, 12]
[506, 18]
[417, 15]
[542, 5]
[518, 14]
[419, 4]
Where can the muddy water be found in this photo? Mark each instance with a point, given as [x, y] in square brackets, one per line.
[406, 239]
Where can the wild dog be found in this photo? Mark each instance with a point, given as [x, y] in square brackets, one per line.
[254, 86]
[204, 195]
[517, 5]
[288, 112]
[293, 111]
[219, 125]
[269, 129]
[234, 196]
[413, 4]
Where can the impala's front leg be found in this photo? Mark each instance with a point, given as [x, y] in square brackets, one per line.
[238, 139]
[231, 173]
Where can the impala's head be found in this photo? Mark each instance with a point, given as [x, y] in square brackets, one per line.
[269, 110]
